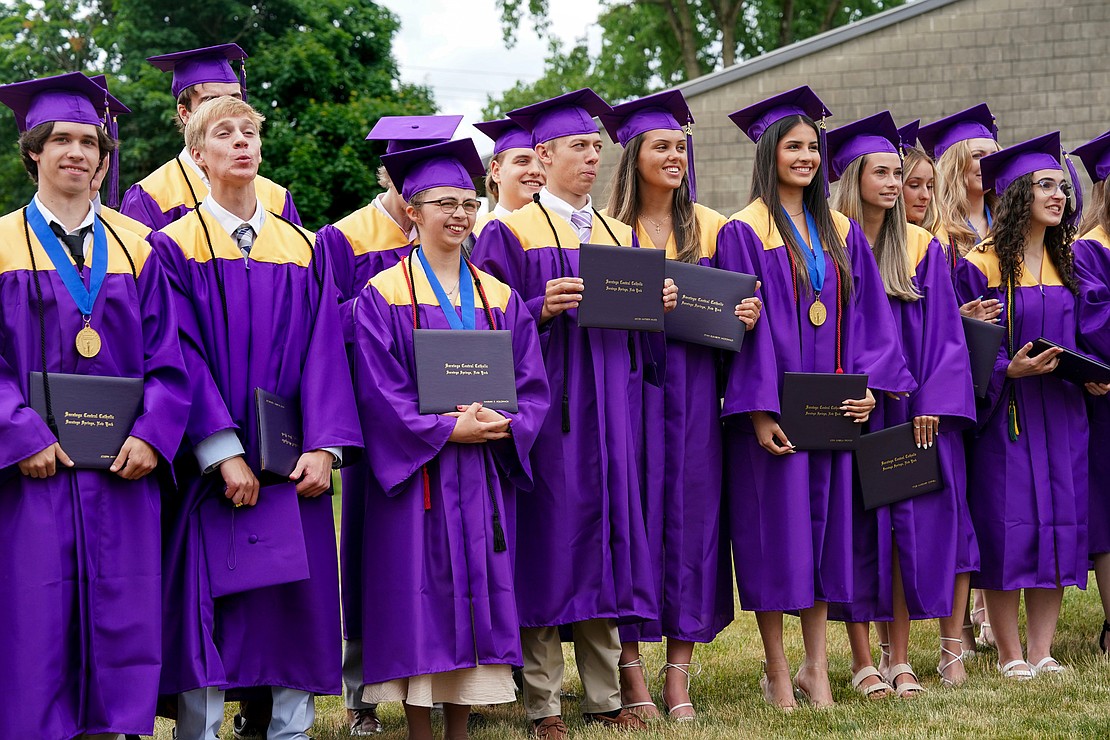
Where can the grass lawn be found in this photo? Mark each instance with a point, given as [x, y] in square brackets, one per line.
[729, 703]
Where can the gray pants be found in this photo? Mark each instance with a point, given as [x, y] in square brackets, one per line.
[352, 676]
[200, 713]
[597, 650]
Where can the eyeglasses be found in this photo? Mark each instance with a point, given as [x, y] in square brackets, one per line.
[450, 205]
[1050, 187]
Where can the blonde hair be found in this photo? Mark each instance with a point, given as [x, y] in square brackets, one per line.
[951, 193]
[491, 184]
[1096, 211]
[911, 157]
[210, 111]
[889, 248]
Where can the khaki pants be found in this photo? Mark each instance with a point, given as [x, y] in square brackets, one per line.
[597, 651]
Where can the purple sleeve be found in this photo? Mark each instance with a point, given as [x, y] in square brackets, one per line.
[971, 283]
[500, 253]
[1092, 270]
[141, 207]
[341, 263]
[22, 431]
[289, 210]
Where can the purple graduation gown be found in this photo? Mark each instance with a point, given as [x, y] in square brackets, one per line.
[80, 614]
[281, 335]
[166, 195]
[933, 531]
[791, 516]
[1092, 267]
[438, 597]
[582, 550]
[686, 529]
[1028, 497]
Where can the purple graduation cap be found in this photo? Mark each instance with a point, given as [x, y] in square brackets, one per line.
[115, 109]
[1003, 167]
[908, 134]
[68, 98]
[197, 66]
[801, 101]
[976, 122]
[566, 115]
[1095, 155]
[505, 134]
[402, 133]
[449, 164]
[871, 135]
[665, 110]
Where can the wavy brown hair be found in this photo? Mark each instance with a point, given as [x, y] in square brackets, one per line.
[1011, 232]
[765, 186]
[951, 194]
[911, 158]
[1097, 211]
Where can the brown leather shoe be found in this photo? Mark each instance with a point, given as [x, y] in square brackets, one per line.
[363, 722]
[550, 728]
[625, 721]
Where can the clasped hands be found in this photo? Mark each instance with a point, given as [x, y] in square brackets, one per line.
[135, 459]
[312, 473]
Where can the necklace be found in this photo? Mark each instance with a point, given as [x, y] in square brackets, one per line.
[658, 225]
[795, 215]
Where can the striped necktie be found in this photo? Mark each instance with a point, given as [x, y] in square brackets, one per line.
[244, 237]
[583, 222]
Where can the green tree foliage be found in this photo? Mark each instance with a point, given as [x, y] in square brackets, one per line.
[321, 71]
[649, 45]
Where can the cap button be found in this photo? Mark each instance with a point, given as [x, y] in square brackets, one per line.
[253, 539]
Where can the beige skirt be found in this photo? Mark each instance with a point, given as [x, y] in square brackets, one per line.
[485, 684]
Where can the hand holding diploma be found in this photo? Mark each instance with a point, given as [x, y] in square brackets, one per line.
[925, 431]
[44, 464]
[1097, 389]
[749, 309]
[670, 295]
[471, 429]
[859, 409]
[1023, 366]
[313, 473]
[561, 295]
[136, 458]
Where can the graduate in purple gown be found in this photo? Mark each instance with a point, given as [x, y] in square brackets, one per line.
[1092, 266]
[515, 171]
[653, 190]
[80, 616]
[582, 550]
[825, 310]
[1027, 465]
[439, 615]
[175, 188]
[257, 312]
[913, 557]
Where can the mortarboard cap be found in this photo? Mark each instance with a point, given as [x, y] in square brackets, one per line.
[69, 98]
[665, 110]
[566, 115]
[1095, 155]
[115, 108]
[505, 134]
[758, 117]
[871, 135]
[974, 123]
[908, 134]
[1003, 167]
[402, 133]
[449, 164]
[197, 66]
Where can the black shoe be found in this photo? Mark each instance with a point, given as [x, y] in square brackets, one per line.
[1102, 638]
[244, 729]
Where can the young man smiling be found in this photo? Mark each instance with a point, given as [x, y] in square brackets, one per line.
[582, 553]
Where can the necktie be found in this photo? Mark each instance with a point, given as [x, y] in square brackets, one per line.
[244, 237]
[75, 243]
[582, 221]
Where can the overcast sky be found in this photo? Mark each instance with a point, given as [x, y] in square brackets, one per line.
[455, 47]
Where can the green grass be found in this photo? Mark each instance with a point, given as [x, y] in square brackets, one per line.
[729, 703]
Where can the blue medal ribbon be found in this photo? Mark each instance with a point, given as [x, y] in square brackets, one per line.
[990, 223]
[84, 298]
[814, 255]
[466, 293]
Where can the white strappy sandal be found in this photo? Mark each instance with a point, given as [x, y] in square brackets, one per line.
[1048, 666]
[670, 711]
[640, 708]
[1017, 670]
[956, 658]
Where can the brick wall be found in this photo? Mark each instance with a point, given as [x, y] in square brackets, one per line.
[1041, 65]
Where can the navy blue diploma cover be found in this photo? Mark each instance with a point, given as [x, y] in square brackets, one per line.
[892, 468]
[280, 434]
[984, 339]
[94, 414]
[623, 287]
[249, 547]
[1072, 366]
[457, 367]
[810, 412]
[707, 298]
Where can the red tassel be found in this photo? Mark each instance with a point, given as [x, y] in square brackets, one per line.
[427, 489]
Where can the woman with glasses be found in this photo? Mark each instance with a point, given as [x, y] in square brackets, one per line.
[1027, 471]
[440, 618]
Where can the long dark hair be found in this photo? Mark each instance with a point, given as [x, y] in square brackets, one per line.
[765, 185]
[1011, 229]
[624, 203]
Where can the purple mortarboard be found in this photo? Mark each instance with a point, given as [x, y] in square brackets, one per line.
[68, 98]
[115, 109]
[197, 66]
[1003, 167]
[974, 123]
[1095, 155]
[449, 164]
[871, 135]
[665, 110]
[908, 134]
[801, 101]
[402, 133]
[505, 134]
[566, 115]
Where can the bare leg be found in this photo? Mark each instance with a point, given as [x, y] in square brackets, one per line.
[813, 676]
[968, 634]
[859, 637]
[676, 684]
[635, 695]
[777, 690]
[1102, 578]
[900, 632]
[951, 630]
[882, 631]
[1042, 609]
[454, 721]
[419, 722]
[981, 617]
[1003, 608]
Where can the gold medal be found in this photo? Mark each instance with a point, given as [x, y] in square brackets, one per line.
[818, 313]
[88, 342]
